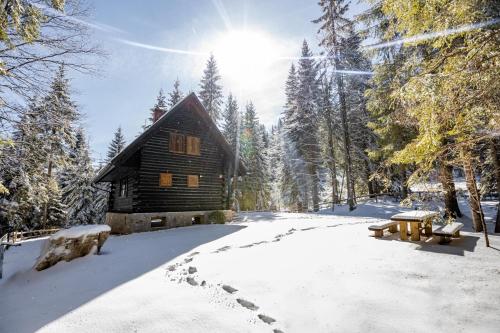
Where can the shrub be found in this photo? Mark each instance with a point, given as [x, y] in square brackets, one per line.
[217, 217]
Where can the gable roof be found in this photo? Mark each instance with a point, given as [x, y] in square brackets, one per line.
[193, 103]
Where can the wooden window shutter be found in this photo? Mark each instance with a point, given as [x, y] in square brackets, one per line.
[193, 145]
[176, 143]
[193, 181]
[165, 179]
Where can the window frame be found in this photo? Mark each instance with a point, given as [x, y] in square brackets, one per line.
[123, 187]
[190, 139]
[173, 143]
[168, 175]
[190, 184]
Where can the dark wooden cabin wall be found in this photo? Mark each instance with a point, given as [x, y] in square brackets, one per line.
[124, 204]
[156, 158]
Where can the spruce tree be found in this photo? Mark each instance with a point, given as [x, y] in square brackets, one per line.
[76, 181]
[58, 117]
[161, 104]
[211, 90]
[175, 95]
[116, 145]
[335, 28]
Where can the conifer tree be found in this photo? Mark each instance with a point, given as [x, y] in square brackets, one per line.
[161, 104]
[335, 28]
[175, 95]
[58, 117]
[231, 131]
[116, 145]
[76, 182]
[211, 90]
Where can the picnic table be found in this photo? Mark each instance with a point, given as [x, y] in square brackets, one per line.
[416, 218]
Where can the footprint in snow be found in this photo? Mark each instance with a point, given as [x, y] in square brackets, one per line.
[171, 268]
[188, 260]
[193, 254]
[246, 246]
[192, 270]
[310, 228]
[266, 319]
[247, 304]
[222, 249]
[277, 331]
[192, 281]
[229, 289]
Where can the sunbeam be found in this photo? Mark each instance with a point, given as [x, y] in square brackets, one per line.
[432, 35]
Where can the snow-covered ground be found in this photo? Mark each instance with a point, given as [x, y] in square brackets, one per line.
[308, 272]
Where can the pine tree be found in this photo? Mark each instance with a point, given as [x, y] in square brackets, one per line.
[211, 90]
[175, 95]
[301, 119]
[58, 117]
[76, 181]
[116, 145]
[336, 28]
[255, 191]
[230, 121]
[161, 104]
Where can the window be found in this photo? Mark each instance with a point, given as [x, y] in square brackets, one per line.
[193, 145]
[177, 144]
[165, 179]
[193, 181]
[123, 187]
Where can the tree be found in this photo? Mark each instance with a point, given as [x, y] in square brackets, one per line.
[331, 124]
[78, 195]
[175, 95]
[116, 145]
[211, 90]
[336, 28]
[454, 95]
[255, 190]
[161, 104]
[37, 37]
[231, 131]
[58, 117]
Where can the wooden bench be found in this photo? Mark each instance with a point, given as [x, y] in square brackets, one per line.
[448, 231]
[379, 228]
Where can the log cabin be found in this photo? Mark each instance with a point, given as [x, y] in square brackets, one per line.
[175, 173]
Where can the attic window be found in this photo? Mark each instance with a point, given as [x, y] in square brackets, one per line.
[192, 145]
[177, 143]
[193, 181]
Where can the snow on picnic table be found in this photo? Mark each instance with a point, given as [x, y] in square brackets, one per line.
[308, 272]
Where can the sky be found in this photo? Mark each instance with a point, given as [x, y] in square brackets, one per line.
[149, 44]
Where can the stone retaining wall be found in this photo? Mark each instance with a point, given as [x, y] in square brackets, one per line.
[127, 223]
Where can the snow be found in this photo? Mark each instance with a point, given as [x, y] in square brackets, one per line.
[415, 215]
[308, 272]
[81, 230]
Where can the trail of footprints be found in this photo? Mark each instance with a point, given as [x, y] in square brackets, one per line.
[227, 288]
[190, 279]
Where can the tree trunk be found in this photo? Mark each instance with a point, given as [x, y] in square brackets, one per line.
[496, 165]
[347, 144]
[333, 164]
[315, 186]
[474, 197]
[46, 204]
[404, 185]
[450, 194]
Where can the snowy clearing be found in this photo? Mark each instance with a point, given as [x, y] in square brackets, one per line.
[268, 272]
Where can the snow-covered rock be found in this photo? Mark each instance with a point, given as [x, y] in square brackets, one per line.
[68, 244]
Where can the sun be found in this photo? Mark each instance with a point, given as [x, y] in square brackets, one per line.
[245, 56]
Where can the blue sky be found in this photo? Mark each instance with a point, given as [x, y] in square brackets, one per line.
[130, 77]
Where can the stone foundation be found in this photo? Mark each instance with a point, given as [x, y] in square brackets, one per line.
[127, 223]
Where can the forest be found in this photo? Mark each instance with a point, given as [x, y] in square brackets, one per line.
[401, 94]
